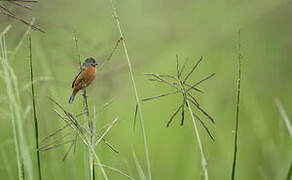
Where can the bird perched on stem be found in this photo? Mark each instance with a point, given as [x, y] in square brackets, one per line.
[84, 77]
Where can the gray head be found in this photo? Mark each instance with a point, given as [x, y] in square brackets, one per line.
[90, 62]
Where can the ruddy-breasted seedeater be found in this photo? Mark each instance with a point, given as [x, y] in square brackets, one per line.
[84, 77]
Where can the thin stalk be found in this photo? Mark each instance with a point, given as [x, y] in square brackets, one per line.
[94, 126]
[237, 110]
[36, 126]
[98, 162]
[111, 54]
[135, 90]
[93, 132]
[88, 157]
[204, 161]
[87, 117]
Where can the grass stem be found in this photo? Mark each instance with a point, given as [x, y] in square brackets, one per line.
[135, 89]
[36, 126]
[204, 161]
[237, 110]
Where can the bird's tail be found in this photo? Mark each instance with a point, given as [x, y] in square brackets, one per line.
[71, 99]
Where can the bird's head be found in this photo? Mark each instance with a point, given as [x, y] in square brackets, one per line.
[90, 62]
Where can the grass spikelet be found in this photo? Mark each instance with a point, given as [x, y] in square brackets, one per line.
[184, 89]
[114, 169]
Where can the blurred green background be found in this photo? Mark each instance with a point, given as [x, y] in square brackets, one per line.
[155, 31]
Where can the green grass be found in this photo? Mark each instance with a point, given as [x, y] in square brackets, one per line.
[153, 33]
[12, 116]
[24, 161]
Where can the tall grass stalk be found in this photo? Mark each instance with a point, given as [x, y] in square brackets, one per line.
[89, 154]
[203, 158]
[237, 109]
[135, 89]
[36, 126]
[88, 160]
[89, 166]
[10, 99]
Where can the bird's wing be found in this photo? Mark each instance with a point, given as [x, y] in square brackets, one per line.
[75, 79]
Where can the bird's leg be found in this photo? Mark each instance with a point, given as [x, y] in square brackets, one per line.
[84, 93]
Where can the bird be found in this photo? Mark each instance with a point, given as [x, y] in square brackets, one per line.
[84, 78]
